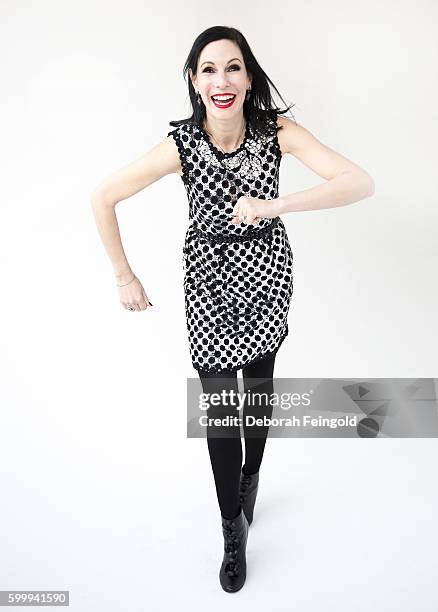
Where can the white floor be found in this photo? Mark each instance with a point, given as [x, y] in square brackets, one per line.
[339, 525]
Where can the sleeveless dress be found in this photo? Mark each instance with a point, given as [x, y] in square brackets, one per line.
[238, 280]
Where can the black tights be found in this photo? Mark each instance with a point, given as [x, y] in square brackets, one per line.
[226, 451]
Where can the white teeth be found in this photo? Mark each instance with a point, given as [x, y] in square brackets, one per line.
[221, 99]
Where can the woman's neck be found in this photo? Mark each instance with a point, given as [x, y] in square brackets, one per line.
[227, 133]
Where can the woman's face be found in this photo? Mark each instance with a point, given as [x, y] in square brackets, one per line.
[221, 70]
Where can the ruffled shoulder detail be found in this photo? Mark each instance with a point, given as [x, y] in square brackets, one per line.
[180, 134]
[271, 129]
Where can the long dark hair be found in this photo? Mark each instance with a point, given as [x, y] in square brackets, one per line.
[260, 104]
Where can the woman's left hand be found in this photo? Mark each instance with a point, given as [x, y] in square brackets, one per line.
[251, 210]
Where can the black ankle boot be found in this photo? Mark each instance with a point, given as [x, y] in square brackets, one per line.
[249, 486]
[232, 574]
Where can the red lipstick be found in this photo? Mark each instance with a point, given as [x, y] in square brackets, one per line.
[227, 104]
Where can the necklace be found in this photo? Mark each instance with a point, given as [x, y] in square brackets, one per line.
[240, 136]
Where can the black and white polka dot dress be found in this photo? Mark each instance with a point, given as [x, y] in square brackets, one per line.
[238, 280]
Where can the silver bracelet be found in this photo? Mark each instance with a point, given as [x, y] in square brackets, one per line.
[127, 283]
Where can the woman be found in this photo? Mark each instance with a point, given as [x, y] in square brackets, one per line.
[237, 257]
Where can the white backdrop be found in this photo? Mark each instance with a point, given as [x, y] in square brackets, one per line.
[105, 494]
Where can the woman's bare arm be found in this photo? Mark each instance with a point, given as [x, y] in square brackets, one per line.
[159, 161]
[346, 182]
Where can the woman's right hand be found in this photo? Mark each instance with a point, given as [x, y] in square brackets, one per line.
[133, 294]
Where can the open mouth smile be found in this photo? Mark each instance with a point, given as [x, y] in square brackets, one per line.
[223, 100]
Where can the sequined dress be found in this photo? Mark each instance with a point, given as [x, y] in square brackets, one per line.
[238, 279]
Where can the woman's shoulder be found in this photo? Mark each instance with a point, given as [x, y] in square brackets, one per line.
[287, 133]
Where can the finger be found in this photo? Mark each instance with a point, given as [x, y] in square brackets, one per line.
[236, 213]
[142, 303]
[237, 205]
[132, 306]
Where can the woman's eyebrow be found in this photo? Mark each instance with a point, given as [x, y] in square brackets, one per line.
[231, 60]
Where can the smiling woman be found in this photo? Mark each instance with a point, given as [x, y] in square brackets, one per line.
[237, 259]
[238, 280]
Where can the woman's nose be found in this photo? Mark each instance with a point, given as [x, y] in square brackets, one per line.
[222, 80]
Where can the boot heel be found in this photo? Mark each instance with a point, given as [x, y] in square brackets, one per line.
[249, 485]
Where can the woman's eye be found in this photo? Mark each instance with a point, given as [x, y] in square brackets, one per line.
[210, 68]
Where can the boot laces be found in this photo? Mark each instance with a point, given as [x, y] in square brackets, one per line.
[232, 566]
